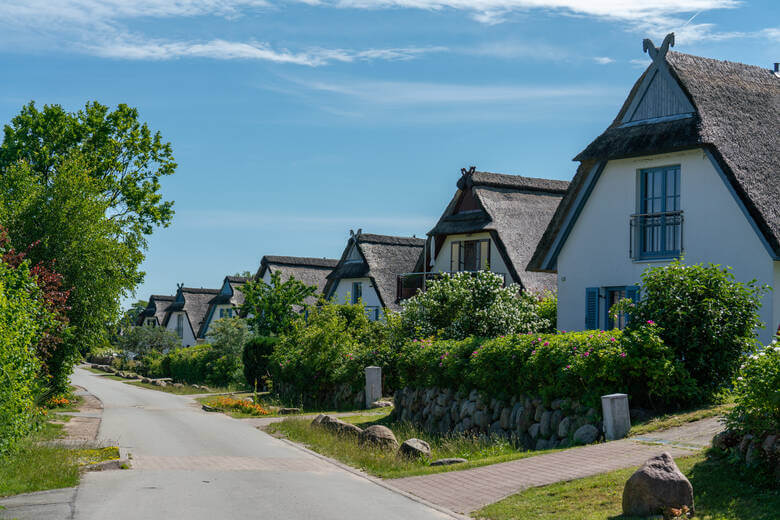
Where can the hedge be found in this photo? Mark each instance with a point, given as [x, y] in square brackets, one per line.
[582, 365]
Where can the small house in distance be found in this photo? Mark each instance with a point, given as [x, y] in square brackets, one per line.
[689, 168]
[493, 223]
[225, 304]
[186, 313]
[368, 269]
[154, 313]
[310, 271]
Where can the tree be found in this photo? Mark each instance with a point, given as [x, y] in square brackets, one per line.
[271, 307]
[148, 340]
[228, 336]
[84, 187]
[126, 322]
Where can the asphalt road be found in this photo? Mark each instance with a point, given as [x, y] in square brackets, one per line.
[189, 464]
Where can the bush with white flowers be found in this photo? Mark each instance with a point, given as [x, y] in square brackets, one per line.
[757, 393]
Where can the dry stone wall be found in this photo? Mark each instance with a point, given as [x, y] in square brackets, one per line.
[526, 420]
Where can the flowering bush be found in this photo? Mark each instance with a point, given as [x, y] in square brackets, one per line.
[326, 351]
[575, 364]
[58, 401]
[757, 393]
[460, 305]
[238, 405]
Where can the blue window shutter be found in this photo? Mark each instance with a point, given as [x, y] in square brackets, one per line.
[592, 308]
[632, 293]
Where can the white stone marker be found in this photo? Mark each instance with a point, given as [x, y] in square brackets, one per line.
[373, 385]
[617, 420]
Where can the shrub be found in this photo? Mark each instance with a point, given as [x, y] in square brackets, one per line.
[460, 305]
[256, 358]
[22, 322]
[547, 309]
[757, 393]
[584, 365]
[273, 307]
[327, 351]
[145, 340]
[189, 364]
[238, 405]
[705, 316]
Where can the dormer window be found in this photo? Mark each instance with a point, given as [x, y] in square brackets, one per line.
[470, 255]
[656, 230]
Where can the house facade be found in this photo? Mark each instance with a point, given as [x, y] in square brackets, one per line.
[154, 313]
[492, 223]
[310, 271]
[186, 313]
[689, 169]
[368, 271]
[224, 305]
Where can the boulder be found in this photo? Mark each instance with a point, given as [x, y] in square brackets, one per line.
[415, 448]
[564, 427]
[533, 431]
[448, 461]
[725, 440]
[161, 384]
[381, 404]
[287, 411]
[586, 434]
[524, 418]
[379, 435]
[318, 420]
[656, 486]
[179, 385]
[555, 421]
[504, 418]
[481, 419]
[340, 427]
[544, 425]
[542, 444]
[146, 380]
[768, 446]
[538, 413]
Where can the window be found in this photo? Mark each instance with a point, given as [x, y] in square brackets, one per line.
[180, 325]
[225, 313]
[659, 222]
[357, 291]
[611, 295]
[470, 255]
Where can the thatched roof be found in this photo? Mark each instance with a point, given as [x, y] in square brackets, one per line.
[514, 209]
[195, 304]
[736, 118]
[235, 298]
[156, 308]
[384, 258]
[311, 271]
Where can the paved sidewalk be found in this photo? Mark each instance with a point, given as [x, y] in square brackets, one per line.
[468, 490]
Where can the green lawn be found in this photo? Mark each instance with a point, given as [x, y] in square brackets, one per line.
[721, 492]
[664, 422]
[478, 451]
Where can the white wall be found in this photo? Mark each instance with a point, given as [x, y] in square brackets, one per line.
[596, 253]
[442, 261]
[773, 326]
[342, 293]
[215, 316]
[189, 337]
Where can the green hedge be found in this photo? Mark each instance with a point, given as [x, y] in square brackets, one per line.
[583, 365]
[22, 315]
[203, 364]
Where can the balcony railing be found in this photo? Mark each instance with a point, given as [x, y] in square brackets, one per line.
[656, 235]
[409, 283]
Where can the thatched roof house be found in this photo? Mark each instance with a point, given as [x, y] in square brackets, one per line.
[506, 215]
[188, 311]
[311, 271]
[154, 313]
[369, 267]
[224, 304]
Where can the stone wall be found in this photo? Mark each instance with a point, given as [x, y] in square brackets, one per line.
[525, 420]
[752, 450]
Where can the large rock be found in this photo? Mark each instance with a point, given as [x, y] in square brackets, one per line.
[448, 461]
[319, 419]
[544, 425]
[340, 427]
[656, 486]
[564, 427]
[379, 435]
[533, 431]
[586, 434]
[504, 418]
[415, 448]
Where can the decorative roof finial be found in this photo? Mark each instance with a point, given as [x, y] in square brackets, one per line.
[470, 171]
[658, 53]
[355, 235]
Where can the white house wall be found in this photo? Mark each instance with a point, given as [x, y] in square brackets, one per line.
[442, 262]
[775, 325]
[342, 293]
[188, 337]
[215, 317]
[596, 253]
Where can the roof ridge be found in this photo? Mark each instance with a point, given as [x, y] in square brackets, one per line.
[517, 182]
[200, 290]
[390, 239]
[300, 260]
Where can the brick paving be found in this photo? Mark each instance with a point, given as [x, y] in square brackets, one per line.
[468, 490]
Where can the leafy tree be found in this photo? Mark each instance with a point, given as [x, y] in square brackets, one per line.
[229, 335]
[148, 340]
[271, 308]
[257, 359]
[460, 305]
[126, 322]
[706, 316]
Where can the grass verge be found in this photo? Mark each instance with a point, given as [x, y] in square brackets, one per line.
[269, 404]
[721, 492]
[664, 422]
[478, 450]
[183, 390]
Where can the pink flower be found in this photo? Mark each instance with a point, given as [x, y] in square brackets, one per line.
[650, 322]
[622, 354]
[612, 339]
[474, 353]
[533, 352]
[568, 366]
[546, 343]
[575, 347]
[586, 354]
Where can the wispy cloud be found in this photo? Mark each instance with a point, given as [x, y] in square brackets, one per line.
[603, 60]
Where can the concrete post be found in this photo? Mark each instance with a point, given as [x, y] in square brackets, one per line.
[617, 420]
[373, 385]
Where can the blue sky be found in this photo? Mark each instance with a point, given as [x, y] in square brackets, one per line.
[295, 121]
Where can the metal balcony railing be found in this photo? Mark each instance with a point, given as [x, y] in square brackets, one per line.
[656, 235]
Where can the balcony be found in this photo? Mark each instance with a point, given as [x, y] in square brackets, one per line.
[409, 283]
[656, 236]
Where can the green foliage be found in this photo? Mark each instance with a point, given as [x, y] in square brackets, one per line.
[204, 364]
[757, 393]
[547, 309]
[144, 340]
[126, 322]
[460, 305]
[582, 365]
[329, 349]
[272, 307]
[22, 321]
[229, 335]
[257, 359]
[705, 316]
